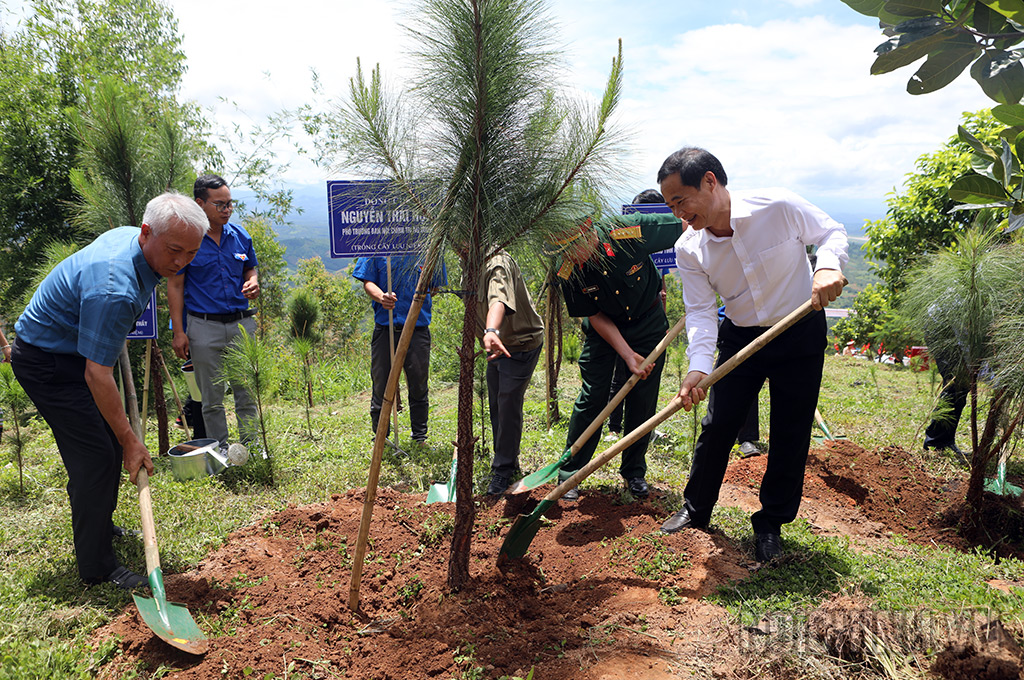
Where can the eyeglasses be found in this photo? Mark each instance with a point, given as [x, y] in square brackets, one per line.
[222, 206]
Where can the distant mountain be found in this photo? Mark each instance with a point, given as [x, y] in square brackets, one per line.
[854, 222]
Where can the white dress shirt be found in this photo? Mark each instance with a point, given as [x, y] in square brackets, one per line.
[761, 271]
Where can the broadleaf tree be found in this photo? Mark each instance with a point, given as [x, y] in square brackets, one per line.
[47, 64]
[982, 34]
[918, 217]
[490, 151]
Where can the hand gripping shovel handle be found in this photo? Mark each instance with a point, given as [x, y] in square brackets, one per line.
[546, 474]
[624, 390]
[677, 402]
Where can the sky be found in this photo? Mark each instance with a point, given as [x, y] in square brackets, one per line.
[779, 91]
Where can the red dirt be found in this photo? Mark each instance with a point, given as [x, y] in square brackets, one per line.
[274, 598]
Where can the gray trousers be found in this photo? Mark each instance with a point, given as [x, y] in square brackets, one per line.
[417, 371]
[507, 380]
[207, 342]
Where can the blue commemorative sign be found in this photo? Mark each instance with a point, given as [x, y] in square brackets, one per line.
[367, 218]
[665, 259]
[145, 326]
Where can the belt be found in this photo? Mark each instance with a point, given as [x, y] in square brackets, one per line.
[224, 318]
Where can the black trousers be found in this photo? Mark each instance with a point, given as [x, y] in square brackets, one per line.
[751, 430]
[507, 381]
[417, 372]
[91, 454]
[792, 364]
[941, 432]
[620, 377]
[194, 417]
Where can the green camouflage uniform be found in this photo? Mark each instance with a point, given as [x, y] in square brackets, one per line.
[621, 281]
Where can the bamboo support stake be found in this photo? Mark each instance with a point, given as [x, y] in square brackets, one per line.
[128, 385]
[145, 389]
[358, 557]
[391, 343]
[174, 391]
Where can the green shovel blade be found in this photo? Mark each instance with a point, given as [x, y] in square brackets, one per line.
[522, 532]
[170, 621]
[439, 493]
[542, 476]
[444, 493]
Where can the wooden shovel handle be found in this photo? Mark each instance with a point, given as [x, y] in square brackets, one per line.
[148, 525]
[677, 402]
[624, 390]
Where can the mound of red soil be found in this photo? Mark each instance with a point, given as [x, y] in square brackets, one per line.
[601, 594]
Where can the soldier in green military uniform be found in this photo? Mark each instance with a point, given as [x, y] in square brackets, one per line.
[607, 275]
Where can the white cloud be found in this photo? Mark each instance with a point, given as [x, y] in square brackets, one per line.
[792, 103]
[787, 101]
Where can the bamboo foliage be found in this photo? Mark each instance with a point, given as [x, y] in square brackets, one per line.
[488, 148]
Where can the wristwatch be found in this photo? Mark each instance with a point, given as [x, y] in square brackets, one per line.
[492, 330]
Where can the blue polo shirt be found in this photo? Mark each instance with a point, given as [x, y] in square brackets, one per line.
[405, 273]
[213, 280]
[89, 303]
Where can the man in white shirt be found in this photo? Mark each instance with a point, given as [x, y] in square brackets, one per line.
[750, 248]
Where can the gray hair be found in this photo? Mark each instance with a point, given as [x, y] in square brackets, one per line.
[170, 207]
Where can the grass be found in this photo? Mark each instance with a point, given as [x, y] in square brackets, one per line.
[47, 615]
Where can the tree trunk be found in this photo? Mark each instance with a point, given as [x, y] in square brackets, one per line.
[160, 400]
[465, 510]
[986, 447]
[309, 378]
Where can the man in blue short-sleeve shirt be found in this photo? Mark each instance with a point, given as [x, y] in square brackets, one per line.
[214, 291]
[69, 338]
[405, 273]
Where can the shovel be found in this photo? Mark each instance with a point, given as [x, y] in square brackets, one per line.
[999, 485]
[546, 474]
[171, 622]
[445, 493]
[522, 532]
[820, 421]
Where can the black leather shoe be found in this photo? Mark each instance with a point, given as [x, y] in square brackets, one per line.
[572, 494]
[749, 449]
[125, 579]
[767, 547]
[638, 487]
[680, 520]
[499, 485]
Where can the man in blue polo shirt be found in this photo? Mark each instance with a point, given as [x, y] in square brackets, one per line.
[215, 290]
[405, 273]
[68, 339]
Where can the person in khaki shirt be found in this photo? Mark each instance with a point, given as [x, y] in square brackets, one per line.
[512, 333]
